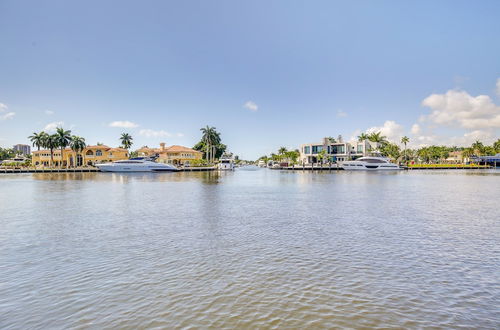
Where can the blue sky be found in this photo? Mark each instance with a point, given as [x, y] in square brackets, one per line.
[264, 73]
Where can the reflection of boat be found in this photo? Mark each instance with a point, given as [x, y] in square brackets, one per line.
[369, 163]
[139, 164]
[226, 162]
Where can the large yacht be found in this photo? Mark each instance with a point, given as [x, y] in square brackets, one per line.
[138, 164]
[226, 162]
[369, 163]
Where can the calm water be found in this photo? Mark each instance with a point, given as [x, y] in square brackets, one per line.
[250, 249]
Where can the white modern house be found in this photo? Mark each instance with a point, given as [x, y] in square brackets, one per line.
[337, 151]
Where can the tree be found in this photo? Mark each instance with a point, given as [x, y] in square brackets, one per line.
[467, 153]
[51, 144]
[6, 153]
[210, 144]
[321, 156]
[126, 140]
[405, 140]
[282, 151]
[496, 145]
[391, 150]
[362, 137]
[377, 137]
[77, 144]
[38, 139]
[63, 138]
[331, 139]
[478, 147]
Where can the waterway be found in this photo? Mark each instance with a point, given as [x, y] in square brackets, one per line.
[250, 249]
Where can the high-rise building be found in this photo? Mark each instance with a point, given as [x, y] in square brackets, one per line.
[23, 149]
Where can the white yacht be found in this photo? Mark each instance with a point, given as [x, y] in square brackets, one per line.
[370, 164]
[226, 162]
[138, 164]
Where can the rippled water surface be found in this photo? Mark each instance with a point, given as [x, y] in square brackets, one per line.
[250, 249]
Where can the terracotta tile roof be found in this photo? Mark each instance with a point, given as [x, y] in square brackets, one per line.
[98, 147]
[180, 149]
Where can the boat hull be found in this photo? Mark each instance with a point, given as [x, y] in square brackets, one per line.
[135, 168]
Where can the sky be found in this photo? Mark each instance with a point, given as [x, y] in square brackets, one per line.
[266, 74]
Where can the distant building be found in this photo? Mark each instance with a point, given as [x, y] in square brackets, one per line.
[337, 151]
[176, 155]
[22, 149]
[487, 160]
[89, 156]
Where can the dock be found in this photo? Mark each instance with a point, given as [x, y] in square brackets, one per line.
[86, 170]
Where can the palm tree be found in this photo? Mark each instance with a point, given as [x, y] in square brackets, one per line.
[126, 140]
[211, 139]
[478, 147]
[362, 137]
[467, 153]
[377, 137]
[77, 144]
[282, 151]
[63, 139]
[496, 145]
[405, 140]
[51, 144]
[38, 139]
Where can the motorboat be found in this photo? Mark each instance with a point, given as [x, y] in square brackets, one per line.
[226, 162]
[370, 164]
[138, 164]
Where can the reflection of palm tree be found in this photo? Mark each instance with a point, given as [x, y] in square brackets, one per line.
[77, 144]
[63, 139]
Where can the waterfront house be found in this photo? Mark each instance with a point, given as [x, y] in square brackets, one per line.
[335, 151]
[91, 155]
[175, 155]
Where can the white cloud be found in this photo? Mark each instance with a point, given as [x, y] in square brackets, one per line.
[392, 130]
[49, 112]
[251, 106]
[180, 135]
[123, 124]
[50, 127]
[415, 129]
[341, 114]
[459, 108]
[498, 86]
[8, 115]
[152, 133]
[5, 116]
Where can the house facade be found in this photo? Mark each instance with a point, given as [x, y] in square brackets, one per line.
[175, 155]
[91, 155]
[338, 151]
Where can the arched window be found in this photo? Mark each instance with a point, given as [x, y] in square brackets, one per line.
[98, 152]
[89, 153]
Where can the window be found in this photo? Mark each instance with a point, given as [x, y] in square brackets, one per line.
[316, 149]
[110, 154]
[360, 148]
[98, 153]
[307, 150]
[338, 149]
[89, 153]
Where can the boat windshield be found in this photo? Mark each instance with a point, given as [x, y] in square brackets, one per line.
[372, 160]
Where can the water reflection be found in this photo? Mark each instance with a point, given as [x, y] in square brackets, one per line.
[250, 249]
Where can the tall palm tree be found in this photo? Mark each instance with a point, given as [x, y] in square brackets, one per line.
[38, 139]
[77, 144]
[377, 137]
[126, 140]
[211, 139]
[405, 140]
[63, 139]
[362, 137]
[51, 144]
[282, 150]
[478, 147]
